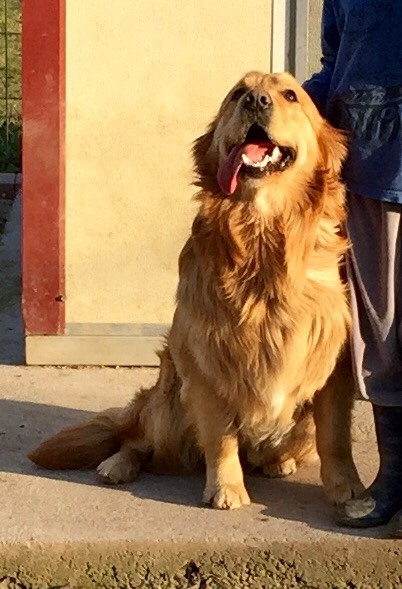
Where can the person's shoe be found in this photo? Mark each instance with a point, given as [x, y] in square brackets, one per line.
[383, 499]
[394, 529]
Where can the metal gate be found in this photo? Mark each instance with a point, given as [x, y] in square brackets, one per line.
[10, 85]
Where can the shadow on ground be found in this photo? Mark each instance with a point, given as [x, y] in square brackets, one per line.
[24, 425]
[11, 327]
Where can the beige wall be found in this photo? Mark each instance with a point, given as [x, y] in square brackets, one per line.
[144, 78]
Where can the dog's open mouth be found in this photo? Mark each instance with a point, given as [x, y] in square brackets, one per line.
[257, 156]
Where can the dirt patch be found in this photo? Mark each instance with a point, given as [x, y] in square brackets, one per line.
[361, 565]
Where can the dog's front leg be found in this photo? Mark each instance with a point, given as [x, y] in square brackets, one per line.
[224, 487]
[332, 414]
[218, 441]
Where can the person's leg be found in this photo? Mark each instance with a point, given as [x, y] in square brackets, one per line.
[374, 273]
[395, 525]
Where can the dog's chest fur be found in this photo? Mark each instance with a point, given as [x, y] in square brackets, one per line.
[264, 333]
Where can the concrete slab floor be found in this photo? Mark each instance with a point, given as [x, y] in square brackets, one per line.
[55, 516]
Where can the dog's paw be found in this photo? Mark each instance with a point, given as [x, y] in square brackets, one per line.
[226, 496]
[277, 470]
[341, 486]
[118, 469]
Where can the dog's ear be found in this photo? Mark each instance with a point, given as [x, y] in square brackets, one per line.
[203, 158]
[333, 147]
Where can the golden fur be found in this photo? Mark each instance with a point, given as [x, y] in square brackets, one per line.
[255, 358]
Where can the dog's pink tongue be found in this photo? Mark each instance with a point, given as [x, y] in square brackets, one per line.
[229, 169]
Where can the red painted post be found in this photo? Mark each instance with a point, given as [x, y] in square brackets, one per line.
[43, 165]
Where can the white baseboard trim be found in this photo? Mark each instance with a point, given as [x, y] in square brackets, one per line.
[93, 350]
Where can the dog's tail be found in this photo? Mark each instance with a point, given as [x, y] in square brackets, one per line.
[82, 446]
[91, 442]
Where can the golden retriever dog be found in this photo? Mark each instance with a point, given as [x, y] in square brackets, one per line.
[255, 370]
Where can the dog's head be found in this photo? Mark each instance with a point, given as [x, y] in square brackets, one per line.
[267, 132]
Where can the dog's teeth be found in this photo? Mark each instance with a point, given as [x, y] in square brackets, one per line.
[248, 162]
[276, 154]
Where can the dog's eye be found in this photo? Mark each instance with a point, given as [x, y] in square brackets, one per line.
[290, 95]
[237, 94]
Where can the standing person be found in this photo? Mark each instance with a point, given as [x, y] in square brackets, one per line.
[359, 89]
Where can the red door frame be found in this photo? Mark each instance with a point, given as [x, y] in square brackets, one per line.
[43, 165]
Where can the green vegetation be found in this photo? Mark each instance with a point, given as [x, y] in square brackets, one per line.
[10, 145]
[10, 85]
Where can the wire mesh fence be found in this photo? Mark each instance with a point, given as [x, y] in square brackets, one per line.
[10, 85]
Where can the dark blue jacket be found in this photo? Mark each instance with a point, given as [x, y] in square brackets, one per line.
[359, 89]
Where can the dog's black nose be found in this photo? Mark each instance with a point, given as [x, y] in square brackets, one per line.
[257, 100]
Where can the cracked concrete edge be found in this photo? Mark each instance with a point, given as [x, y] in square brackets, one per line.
[352, 564]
